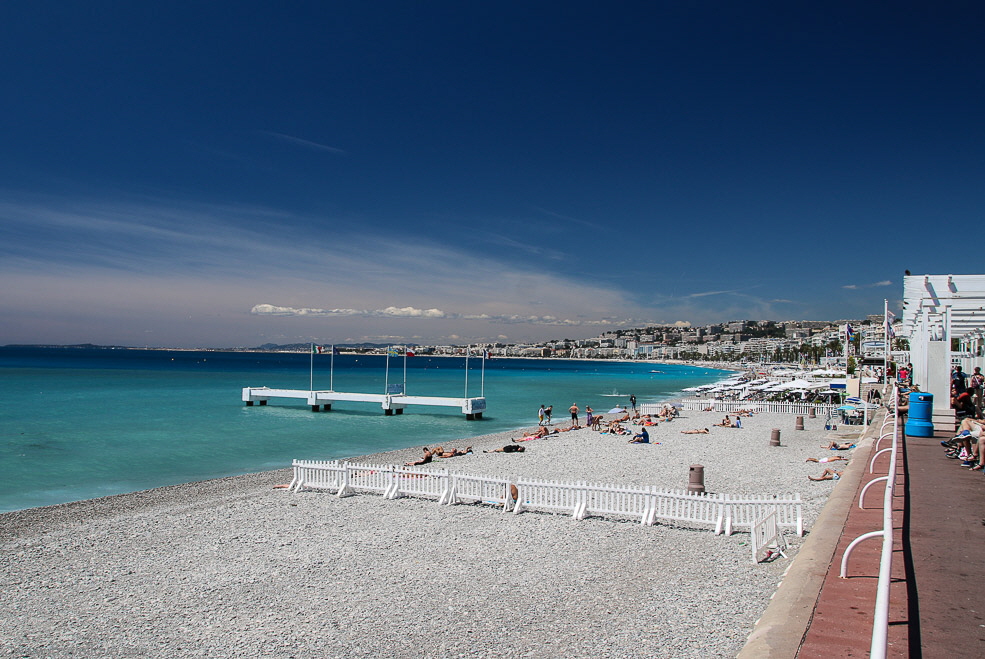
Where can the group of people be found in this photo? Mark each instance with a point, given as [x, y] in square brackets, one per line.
[438, 452]
[545, 412]
[729, 422]
[967, 444]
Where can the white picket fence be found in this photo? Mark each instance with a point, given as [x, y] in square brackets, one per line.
[765, 534]
[742, 512]
[581, 499]
[697, 404]
[478, 489]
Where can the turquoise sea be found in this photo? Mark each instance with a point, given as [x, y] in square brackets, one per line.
[79, 423]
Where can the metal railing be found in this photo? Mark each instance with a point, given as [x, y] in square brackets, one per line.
[880, 618]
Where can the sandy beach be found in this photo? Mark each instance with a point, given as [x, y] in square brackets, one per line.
[233, 567]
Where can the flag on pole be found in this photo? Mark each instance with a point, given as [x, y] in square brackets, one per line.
[335, 351]
[393, 351]
[317, 350]
[849, 332]
[409, 353]
[486, 355]
[890, 332]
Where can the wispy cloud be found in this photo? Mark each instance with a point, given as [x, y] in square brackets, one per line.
[297, 141]
[707, 293]
[855, 287]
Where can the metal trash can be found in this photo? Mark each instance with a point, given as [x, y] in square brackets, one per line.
[919, 419]
[696, 480]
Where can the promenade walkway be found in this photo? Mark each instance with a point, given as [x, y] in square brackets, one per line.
[937, 601]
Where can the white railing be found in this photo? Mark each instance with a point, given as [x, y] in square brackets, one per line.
[581, 499]
[880, 622]
[698, 404]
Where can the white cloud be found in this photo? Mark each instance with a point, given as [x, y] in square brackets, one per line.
[853, 287]
[411, 312]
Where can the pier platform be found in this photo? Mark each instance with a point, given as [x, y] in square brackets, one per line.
[472, 408]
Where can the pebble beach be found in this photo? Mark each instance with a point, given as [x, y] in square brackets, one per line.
[235, 567]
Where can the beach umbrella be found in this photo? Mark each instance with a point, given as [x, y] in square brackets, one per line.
[616, 410]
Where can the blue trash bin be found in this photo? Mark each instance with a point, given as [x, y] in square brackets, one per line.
[919, 420]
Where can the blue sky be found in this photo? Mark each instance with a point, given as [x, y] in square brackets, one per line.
[229, 174]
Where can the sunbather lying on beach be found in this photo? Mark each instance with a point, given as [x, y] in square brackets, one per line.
[833, 458]
[539, 434]
[696, 431]
[828, 474]
[835, 446]
[423, 461]
[509, 448]
[453, 453]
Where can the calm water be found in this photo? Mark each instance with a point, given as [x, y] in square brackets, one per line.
[80, 423]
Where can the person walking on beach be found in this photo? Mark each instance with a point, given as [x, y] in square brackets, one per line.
[548, 412]
[540, 416]
[588, 415]
[632, 401]
[574, 413]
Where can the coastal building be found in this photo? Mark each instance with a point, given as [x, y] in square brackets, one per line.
[944, 320]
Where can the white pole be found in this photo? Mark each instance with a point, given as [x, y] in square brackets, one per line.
[482, 389]
[886, 348]
[468, 349]
[331, 376]
[386, 378]
[311, 368]
[405, 370]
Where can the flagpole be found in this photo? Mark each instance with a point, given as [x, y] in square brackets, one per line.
[405, 370]
[331, 372]
[468, 349]
[885, 352]
[482, 389]
[311, 368]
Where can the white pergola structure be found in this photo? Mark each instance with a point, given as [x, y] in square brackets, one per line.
[937, 309]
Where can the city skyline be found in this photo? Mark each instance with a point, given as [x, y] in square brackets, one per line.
[240, 174]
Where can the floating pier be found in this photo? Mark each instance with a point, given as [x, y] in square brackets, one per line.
[472, 408]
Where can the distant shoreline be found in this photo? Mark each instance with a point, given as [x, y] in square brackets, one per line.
[720, 366]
